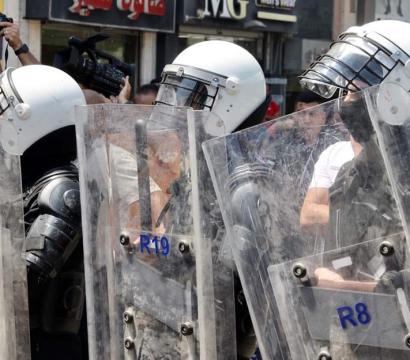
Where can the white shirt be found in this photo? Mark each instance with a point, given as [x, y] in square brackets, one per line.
[124, 168]
[329, 163]
[124, 171]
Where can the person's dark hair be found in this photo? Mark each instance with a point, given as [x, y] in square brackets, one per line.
[147, 89]
[308, 96]
[156, 81]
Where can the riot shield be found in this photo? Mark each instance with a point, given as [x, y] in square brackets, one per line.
[301, 186]
[349, 303]
[388, 106]
[156, 285]
[14, 318]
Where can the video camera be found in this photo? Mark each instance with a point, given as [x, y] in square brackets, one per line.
[93, 68]
[4, 18]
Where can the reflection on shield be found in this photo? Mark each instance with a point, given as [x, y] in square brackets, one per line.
[307, 300]
[14, 319]
[157, 287]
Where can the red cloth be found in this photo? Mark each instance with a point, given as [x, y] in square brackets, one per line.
[273, 109]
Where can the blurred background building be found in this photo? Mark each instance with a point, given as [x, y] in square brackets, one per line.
[284, 35]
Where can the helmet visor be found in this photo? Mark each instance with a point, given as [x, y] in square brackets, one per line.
[182, 91]
[351, 64]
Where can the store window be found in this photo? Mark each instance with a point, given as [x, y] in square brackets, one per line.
[54, 37]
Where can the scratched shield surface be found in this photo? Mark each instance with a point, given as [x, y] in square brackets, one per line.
[157, 287]
[349, 303]
[388, 107]
[14, 315]
[329, 284]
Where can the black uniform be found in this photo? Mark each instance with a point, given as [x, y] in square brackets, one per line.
[53, 248]
[362, 208]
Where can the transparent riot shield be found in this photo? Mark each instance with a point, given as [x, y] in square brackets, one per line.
[296, 187]
[389, 108]
[350, 303]
[14, 318]
[157, 287]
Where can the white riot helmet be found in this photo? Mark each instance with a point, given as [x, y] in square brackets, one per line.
[35, 100]
[215, 75]
[362, 56]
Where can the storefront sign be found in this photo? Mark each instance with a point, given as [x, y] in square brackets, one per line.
[238, 9]
[152, 15]
[213, 8]
[280, 4]
[256, 15]
[135, 7]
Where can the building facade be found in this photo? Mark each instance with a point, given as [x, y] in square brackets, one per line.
[283, 35]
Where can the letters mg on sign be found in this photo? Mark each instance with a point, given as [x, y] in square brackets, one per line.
[228, 8]
[238, 9]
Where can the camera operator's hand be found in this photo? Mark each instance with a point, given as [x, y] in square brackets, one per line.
[11, 33]
[125, 93]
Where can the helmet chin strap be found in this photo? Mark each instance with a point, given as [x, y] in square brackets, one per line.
[256, 116]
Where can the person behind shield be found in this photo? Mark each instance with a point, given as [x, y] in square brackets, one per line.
[378, 51]
[361, 204]
[313, 121]
[226, 80]
[314, 215]
[39, 102]
[146, 94]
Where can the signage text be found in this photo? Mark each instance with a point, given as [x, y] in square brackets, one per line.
[135, 7]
